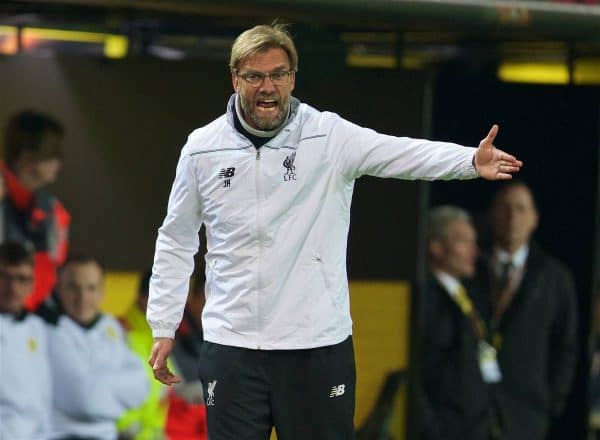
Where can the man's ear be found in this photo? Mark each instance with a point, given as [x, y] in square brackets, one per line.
[436, 249]
[235, 81]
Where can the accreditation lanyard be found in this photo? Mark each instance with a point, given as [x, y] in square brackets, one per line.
[487, 354]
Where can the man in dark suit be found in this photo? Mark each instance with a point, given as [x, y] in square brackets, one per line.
[529, 307]
[452, 393]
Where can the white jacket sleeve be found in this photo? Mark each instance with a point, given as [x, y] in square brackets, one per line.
[176, 245]
[365, 152]
[129, 382]
[112, 392]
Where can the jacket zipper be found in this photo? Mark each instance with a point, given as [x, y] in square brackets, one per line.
[259, 237]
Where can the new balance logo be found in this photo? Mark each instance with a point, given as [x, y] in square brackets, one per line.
[337, 390]
[227, 173]
[211, 393]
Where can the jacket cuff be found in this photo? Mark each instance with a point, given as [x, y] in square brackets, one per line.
[469, 171]
[163, 333]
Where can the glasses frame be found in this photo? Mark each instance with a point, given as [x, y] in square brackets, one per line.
[19, 279]
[287, 74]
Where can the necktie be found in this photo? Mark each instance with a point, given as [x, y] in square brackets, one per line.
[503, 278]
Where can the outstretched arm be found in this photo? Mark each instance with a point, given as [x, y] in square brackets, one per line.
[360, 151]
[492, 163]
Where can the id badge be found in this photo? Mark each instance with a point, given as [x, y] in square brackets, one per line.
[488, 363]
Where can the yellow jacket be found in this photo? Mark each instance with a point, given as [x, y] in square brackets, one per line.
[146, 422]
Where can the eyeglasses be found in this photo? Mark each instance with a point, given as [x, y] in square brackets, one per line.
[255, 79]
[20, 279]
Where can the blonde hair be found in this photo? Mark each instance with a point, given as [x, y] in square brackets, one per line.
[261, 38]
[440, 219]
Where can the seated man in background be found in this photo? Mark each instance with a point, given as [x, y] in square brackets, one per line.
[187, 413]
[25, 384]
[97, 376]
[146, 422]
[452, 395]
[32, 160]
[531, 310]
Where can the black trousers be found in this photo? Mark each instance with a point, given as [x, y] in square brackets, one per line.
[305, 394]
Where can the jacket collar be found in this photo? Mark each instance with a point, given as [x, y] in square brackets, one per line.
[19, 317]
[448, 282]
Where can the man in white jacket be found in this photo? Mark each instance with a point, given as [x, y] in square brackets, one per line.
[25, 385]
[96, 376]
[272, 182]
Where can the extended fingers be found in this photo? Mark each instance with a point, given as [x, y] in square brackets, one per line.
[509, 159]
[489, 139]
[508, 164]
[508, 169]
[504, 176]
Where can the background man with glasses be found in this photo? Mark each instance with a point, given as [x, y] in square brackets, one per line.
[25, 385]
[272, 182]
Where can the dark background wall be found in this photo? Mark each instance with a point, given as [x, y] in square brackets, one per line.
[555, 131]
[385, 213]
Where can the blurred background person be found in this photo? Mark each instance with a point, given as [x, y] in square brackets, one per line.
[531, 311]
[453, 397]
[25, 385]
[147, 421]
[32, 160]
[184, 402]
[2, 194]
[98, 376]
[187, 412]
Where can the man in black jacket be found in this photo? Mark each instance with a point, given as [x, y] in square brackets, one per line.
[530, 310]
[453, 397]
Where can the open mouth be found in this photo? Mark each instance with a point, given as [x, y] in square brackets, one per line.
[267, 104]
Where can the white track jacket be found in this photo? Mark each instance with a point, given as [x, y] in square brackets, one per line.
[25, 379]
[96, 378]
[277, 222]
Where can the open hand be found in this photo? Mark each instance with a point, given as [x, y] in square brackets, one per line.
[492, 163]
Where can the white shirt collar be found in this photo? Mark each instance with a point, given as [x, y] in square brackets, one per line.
[517, 259]
[447, 281]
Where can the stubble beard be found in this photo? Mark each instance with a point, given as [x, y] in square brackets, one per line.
[265, 124]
